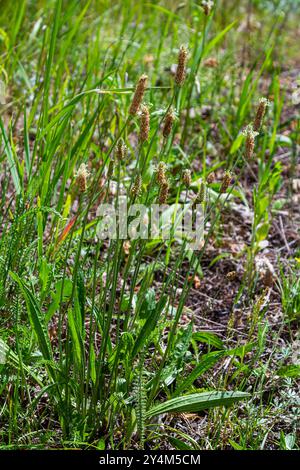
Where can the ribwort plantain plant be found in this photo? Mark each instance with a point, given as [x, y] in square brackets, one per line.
[97, 338]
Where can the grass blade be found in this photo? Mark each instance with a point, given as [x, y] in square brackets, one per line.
[11, 160]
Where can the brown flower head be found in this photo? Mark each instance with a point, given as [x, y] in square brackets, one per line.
[168, 123]
[261, 111]
[207, 6]
[210, 177]
[81, 177]
[136, 189]
[145, 123]
[121, 150]
[161, 173]
[164, 191]
[200, 197]
[225, 182]
[250, 135]
[138, 95]
[211, 62]
[187, 178]
[180, 71]
[110, 170]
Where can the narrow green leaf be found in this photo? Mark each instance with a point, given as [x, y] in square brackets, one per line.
[8, 356]
[179, 444]
[76, 338]
[197, 402]
[26, 146]
[148, 326]
[214, 41]
[292, 370]
[35, 317]
[207, 361]
[93, 364]
[209, 338]
[11, 160]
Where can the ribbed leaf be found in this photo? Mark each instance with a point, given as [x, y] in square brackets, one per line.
[35, 318]
[76, 337]
[178, 444]
[149, 326]
[207, 361]
[8, 356]
[197, 402]
[209, 338]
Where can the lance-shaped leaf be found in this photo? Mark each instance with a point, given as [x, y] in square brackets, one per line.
[35, 317]
[197, 402]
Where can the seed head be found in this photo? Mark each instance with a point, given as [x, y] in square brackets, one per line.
[250, 135]
[231, 275]
[265, 270]
[262, 298]
[207, 6]
[187, 178]
[225, 182]
[161, 173]
[138, 95]
[110, 169]
[211, 62]
[145, 123]
[164, 191]
[180, 71]
[81, 177]
[136, 189]
[210, 177]
[261, 111]
[200, 197]
[168, 123]
[121, 150]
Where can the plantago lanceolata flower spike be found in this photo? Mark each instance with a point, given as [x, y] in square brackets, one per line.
[211, 62]
[250, 135]
[200, 197]
[138, 95]
[161, 173]
[168, 123]
[121, 150]
[180, 71]
[231, 276]
[81, 177]
[164, 192]
[145, 123]
[110, 169]
[225, 182]
[207, 6]
[210, 177]
[187, 178]
[136, 189]
[261, 111]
